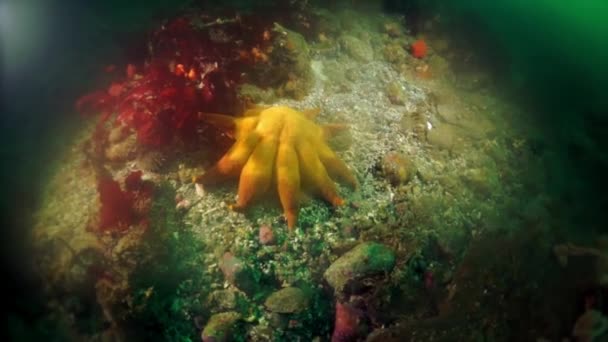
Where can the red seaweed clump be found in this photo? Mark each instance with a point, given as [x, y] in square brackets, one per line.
[419, 48]
[123, 208]
[193, 65]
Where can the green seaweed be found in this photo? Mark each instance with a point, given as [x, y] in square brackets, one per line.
[169, 283]
[312, 322]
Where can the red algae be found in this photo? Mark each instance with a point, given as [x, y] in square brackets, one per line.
[116, 212]
[419, 48]
[118, 207]
[194, 64]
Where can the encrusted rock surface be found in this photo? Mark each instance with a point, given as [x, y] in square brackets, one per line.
[365, 260]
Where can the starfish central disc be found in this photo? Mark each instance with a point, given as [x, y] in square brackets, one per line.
[282, 146]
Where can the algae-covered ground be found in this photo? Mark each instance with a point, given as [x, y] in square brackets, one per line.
[447, 237]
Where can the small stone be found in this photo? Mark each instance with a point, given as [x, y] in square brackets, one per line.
[394, 53]
[365, 260]
[261, 333]
[397, 168]
[396, 94]
[237, 273]
[200, 191]
[277, 320]
[220, 326]
[591, 326]
[223, 300]
[266, 235]
[287, 300]
[152, 161]
[393, 29]
[416, 123]
[183, 205]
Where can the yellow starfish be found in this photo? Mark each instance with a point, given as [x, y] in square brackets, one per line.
[282, 145]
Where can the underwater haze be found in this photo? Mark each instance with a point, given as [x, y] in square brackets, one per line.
[304, 170]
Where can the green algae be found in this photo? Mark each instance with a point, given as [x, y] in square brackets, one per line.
[168, 283]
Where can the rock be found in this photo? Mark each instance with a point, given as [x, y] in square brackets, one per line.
[284, 69]
[237, 273]
[591, 326]
[266, 235]
[220, 326]
[465, 118]
[396, 93]
[452, 113]
[151, 161]
[415, 123]
[365, 260]
[223, 300]
[381, 335]
[287, 300]
[394, 53]
[393, 29]
[126, 248]
[185, 173]
[446, 137]
[318, 70]
[278, 321]
[397, 168]
[290, 64]
[261, 333]
[357, 48]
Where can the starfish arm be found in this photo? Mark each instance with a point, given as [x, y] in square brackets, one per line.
[288, 182]
[257, 172]
[232, 162]
[313, 170]
[336, 167]
[245, 126]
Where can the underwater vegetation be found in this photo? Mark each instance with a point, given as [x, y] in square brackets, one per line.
[122, 208]
[193, 65]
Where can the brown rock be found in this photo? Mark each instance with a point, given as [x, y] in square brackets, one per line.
[397, 168]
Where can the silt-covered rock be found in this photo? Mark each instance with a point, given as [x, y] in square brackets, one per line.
[365, 260]
[220, 326]
[287, 300]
